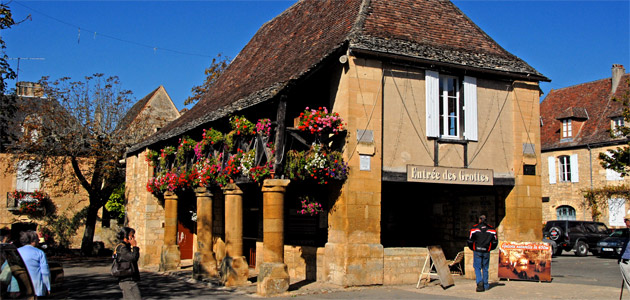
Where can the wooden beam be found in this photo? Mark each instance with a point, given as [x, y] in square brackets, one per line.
[280, 133]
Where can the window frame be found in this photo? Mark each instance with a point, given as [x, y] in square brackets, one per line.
[443, 103]
[564, 168]
[567, 128]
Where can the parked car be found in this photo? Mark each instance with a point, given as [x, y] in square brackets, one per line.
[17, 270]
[578, 236]
[613, 244]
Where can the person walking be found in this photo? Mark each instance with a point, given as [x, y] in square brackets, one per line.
[36, 262]
[481, 240]
[624, 258]
[128, 251]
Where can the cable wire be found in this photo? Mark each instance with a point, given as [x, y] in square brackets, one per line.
[80, 28]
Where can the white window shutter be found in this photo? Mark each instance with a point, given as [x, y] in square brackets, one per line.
[28, 181]
[552, 169]
[574, 168]
[470, 108]
[432, 80]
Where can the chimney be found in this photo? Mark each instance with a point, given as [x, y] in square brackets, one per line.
[29, 89]
[617, 72]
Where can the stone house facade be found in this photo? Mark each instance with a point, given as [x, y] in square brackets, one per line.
[64, 190]
[576, 124]
[442, 125]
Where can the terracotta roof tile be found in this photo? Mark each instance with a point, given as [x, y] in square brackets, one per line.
[594, 97]
[298, 40]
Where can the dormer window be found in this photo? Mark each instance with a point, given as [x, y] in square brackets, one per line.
[567, 130]
[616, 124]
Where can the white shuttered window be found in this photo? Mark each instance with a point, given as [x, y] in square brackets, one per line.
[28, 180]
[451, 113]
[551, 162]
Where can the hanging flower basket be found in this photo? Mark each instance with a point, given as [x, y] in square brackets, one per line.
[310, 207]
[29, 203]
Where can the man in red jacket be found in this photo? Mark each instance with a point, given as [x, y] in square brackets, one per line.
[482, 239]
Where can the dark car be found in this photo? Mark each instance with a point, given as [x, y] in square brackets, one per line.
[613, 244]
[580, 236]
[13, 270]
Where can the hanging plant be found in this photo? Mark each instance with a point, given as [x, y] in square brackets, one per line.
[320, 121]
[310, 207]
[263, 127]
[316, 164]
[184, 150]
[152, 158]
[260, 173]
[29, 202]
[242, 126]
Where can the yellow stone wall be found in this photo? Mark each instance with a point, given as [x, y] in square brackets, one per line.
[570, 193]
[353, 254]
[144, 212]
[523, 205]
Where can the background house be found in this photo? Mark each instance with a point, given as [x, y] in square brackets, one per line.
[576, 125]
[423, 91]
[66, 196]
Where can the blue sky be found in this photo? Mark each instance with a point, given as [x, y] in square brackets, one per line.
[152, 43]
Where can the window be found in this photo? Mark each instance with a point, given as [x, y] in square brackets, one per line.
[567, 131]
[449, 106]
[616, 211]
[565, 168]
[566, 212]
[616, 124]
[28, 173]
[451, 111]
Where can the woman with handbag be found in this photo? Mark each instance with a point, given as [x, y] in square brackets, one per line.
[126, 257]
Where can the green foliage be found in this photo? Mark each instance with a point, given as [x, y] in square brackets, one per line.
[597, 199]
[116, 202]
[619, 159]
[64, 227]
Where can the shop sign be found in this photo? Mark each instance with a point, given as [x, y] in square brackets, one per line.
[449, 175]
[525, 261]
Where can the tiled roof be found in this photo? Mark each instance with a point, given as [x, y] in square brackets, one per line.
[294, 43]
[594, 97]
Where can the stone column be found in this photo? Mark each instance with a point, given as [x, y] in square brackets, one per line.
[204, 264]
[273, 277]
[170, 257]
[234, 236]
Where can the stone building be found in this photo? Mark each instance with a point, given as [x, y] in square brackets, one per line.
[576, 125]
[442, 125]
[68, 198]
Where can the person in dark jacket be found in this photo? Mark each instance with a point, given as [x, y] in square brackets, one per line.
[624, 258]
[128, 251]
[482, 239]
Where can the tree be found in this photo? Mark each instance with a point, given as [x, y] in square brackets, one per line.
[619, 159]
[7, 102]
[218, 65]
[75, 127]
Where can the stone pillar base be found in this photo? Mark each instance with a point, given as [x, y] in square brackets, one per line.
[273, 279]
[170, 258]
[204, 268]
[236, 274]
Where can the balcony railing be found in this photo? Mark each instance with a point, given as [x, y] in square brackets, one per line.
[15, 205]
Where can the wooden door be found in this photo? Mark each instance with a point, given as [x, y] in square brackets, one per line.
[185, 241]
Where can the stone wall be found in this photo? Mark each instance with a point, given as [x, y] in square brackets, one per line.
[590, 174]
[145, 213]
[403, 265]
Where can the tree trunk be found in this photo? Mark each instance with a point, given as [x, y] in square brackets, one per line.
[90, 226]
